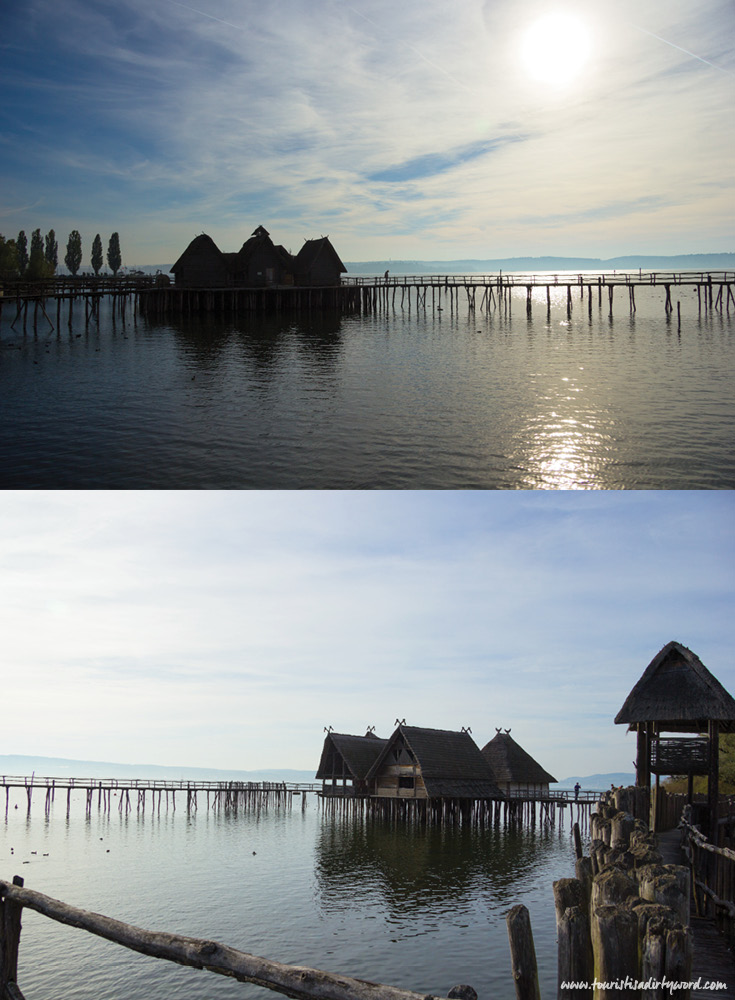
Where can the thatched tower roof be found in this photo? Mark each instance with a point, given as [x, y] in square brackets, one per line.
[679, 693]
[358, 752]
[451, 763]
[510, 762]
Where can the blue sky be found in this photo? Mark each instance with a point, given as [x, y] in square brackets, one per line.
[402, 131]
[226, 629]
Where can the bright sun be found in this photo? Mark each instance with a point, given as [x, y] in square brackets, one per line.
[555, 49]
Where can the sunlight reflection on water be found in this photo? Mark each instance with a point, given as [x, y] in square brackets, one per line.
[394, 400]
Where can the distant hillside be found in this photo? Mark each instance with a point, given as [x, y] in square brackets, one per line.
[598, 782]
[682, 262]
[59, 767]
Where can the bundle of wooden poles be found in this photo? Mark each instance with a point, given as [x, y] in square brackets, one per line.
[624, 919]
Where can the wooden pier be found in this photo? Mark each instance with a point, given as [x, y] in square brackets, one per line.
[140, 794]
[715, 290]
[59, 301]
[438, 293]
[508, 811]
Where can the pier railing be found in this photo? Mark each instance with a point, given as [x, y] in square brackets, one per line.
[544, 278]
[164, 784]
[713, 872]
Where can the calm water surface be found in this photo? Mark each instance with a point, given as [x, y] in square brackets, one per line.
[422, 909]
[394, 400]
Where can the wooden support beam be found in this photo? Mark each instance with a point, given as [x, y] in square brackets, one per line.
[713, 779]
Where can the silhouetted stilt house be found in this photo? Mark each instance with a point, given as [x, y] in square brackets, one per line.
[515, 771]
[259, 263]
[346, 761]
[678, 694]
[317, 263]
[431, 764]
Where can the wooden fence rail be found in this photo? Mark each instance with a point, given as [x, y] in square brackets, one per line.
[713, 873]
[289, 980]
[516, 279]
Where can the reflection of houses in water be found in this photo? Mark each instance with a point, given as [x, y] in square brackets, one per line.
[515, 770]
[416, 869]
[429, 764]
[258, 263]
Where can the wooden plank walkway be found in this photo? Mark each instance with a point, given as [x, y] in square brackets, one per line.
[156, 299]
[712, 959]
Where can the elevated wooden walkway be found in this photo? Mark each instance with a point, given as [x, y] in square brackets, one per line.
[154, 298]
[715, 290]
[712, 959]
[154, 794]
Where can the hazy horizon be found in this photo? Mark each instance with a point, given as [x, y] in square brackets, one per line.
[712, 261]
[191, 771]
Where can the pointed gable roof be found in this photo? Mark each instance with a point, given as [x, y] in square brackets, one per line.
[313, 250]
[451, 763]
[358, 752]
[259, 240]
[510, 762]
[677, 691]
[201, 245]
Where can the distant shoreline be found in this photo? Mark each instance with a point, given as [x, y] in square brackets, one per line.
[676, 262]
[681, 262]
[20, 765]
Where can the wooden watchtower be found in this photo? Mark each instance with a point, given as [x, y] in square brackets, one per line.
[678, 694]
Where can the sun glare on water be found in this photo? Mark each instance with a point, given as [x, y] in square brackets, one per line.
[555, 49]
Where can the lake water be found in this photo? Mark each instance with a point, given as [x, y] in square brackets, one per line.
[392, 400]
[408, 906]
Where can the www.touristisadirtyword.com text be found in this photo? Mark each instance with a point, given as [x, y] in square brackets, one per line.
[648, 984]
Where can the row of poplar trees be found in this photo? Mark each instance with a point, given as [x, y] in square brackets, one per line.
[40, 260]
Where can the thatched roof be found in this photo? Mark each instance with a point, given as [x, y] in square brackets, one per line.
[200, 245]
[313, 250]
[451, 763]
[510, 762]
[260, 240]
[679, 693]
[358, 752]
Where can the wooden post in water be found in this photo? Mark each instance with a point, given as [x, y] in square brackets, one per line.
[577, 841]
[522, 954]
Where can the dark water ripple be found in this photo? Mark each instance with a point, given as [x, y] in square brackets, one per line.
[388, 401]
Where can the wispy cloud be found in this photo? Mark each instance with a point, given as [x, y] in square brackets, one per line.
[194, 114]
[190, 610]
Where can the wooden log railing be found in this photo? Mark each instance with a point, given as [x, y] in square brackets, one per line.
[289, 980]
[713, 872]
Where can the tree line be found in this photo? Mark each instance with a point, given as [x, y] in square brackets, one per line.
[41, 259]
